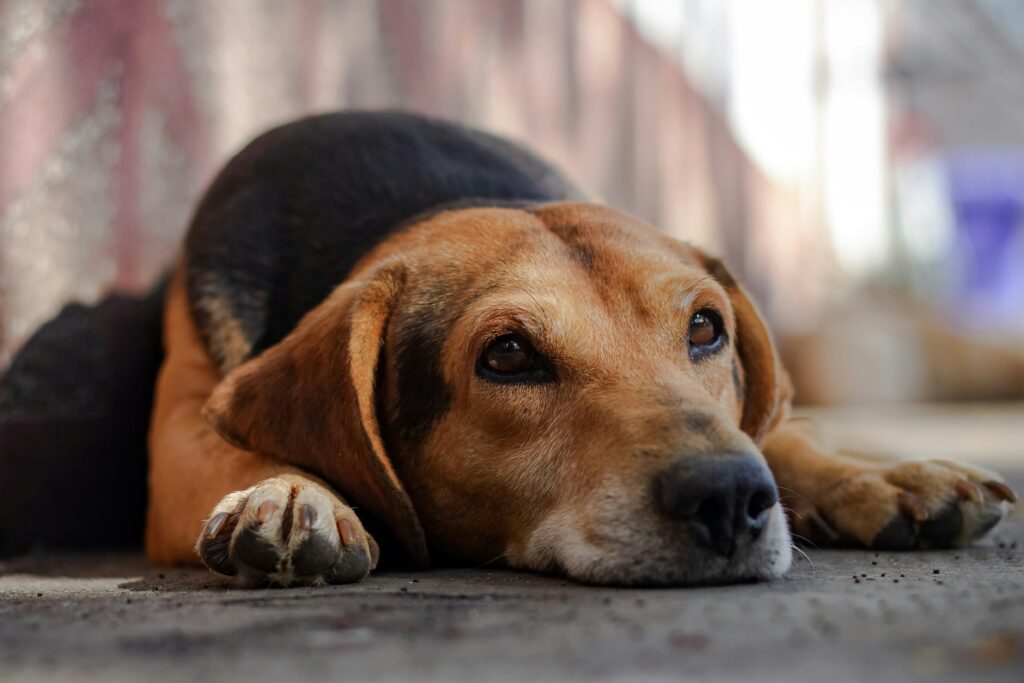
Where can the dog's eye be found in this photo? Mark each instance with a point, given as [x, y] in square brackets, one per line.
[509, 355]
[510, 358]
[706, 335]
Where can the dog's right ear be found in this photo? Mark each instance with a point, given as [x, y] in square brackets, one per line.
[309, 400]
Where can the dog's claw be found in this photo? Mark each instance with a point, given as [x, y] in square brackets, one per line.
[347, 532]
[968, 490]
[265, 511]
[1001, 491]
[214, 524]
[307, 517]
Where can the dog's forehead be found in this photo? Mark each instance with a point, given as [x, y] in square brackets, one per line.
[477, 250]
[612, 244]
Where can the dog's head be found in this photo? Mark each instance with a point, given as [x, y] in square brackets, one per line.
[561, 387]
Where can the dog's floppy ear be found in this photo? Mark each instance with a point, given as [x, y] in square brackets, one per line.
[309, 400]
[763, 383]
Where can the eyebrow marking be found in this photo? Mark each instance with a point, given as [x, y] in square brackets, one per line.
[718, 271]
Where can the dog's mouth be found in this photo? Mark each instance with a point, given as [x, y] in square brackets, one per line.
[614, 548]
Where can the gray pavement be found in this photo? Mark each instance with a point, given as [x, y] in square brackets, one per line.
[912, 616]
[837, 616]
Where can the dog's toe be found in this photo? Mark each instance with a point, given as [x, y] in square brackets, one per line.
[943, 528]
[354, 565]
[215, 541]
[251, 550]
[898, 534]
[315, 556]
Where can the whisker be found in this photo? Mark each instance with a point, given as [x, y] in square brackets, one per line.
[490, 561]
[790, 511]
[805, 540]
[806, 556]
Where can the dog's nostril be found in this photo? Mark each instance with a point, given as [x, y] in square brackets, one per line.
[722, 500]
[762, 499]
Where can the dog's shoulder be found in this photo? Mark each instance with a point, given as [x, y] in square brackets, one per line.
[292, 213]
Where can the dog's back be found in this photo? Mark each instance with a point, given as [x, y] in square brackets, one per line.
[290, 215]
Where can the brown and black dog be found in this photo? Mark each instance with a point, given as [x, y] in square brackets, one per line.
[385, 317]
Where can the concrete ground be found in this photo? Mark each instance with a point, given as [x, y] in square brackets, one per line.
[837, 616]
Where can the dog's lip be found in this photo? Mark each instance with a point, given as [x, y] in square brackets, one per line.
[765, 558]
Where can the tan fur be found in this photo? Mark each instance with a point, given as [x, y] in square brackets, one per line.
[227, 335]
[549, 477]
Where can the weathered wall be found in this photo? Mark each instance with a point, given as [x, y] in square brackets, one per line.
[115, 113]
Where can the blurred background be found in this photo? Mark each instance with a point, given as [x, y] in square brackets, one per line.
[858, 163]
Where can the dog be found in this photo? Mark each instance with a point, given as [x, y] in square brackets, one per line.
[394, 337]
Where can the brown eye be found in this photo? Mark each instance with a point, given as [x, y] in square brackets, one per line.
[510, 358]
[706, 333]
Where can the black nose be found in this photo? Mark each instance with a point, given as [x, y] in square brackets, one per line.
[723, 499]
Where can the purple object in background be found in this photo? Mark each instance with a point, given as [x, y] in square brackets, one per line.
[986, 190]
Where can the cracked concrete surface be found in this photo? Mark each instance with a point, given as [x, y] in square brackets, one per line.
[837, 616]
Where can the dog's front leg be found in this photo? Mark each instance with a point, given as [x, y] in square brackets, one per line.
[835, 498]
[241, 513]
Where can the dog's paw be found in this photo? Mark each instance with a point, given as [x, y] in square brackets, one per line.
[928, 504]
[286, 531]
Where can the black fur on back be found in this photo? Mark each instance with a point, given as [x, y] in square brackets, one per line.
[290, 215]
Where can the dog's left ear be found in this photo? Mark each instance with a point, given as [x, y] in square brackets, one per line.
[310, 400]
[764, 384]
